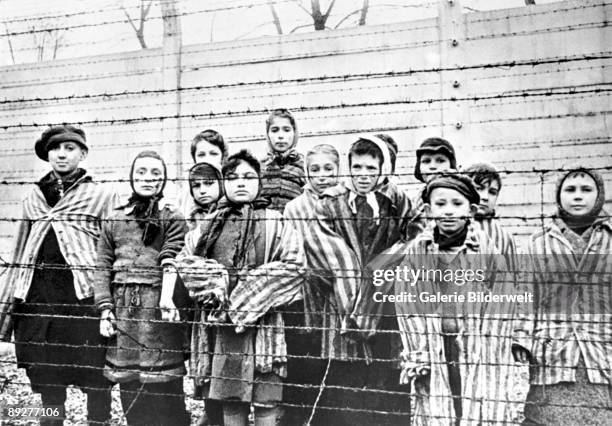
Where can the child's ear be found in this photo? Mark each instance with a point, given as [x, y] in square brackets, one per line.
[427, 209]
[473, 209]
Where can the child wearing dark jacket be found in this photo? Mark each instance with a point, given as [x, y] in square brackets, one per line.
[134, 285]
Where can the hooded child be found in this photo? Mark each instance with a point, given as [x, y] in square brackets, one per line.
[134, 283]
[56, 338]
[246, 263]
[283, 168]
[566, 339]
[434, 155]
[355, 222]
[456, 354]
[210, 147]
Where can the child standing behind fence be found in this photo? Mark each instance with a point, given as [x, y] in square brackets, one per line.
[568, 339]
[134, 284]
[283, 168]
[435, 155]
[246, 262]
[456, 353]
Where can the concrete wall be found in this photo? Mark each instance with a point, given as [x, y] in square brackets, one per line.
[409, 80]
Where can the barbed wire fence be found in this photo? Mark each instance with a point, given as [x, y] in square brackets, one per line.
[537, 101]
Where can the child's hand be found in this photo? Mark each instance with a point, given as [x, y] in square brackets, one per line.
[520, 354]
[168, 310]
[107, 323]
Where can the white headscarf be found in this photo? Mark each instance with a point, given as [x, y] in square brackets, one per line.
[385, 172]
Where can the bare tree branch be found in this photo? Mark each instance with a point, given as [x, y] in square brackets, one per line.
[364, 12]
[329, 9]
[144, 12]
[275, 18]
[354, 12]
[298, 27]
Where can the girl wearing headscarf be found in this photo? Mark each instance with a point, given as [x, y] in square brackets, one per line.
[567, 337]
[206, 188]
[283, 168]
[134, 284]
[244, 263]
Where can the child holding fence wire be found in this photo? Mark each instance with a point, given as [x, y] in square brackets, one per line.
[283, 168]
[567, 337]
[244, 263]
[55, 324]
[134, 285]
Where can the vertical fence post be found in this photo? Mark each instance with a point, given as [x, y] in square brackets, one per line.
[454, 116]
[172, 148]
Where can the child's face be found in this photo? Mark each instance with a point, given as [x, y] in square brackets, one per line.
[205, 151]
[242, 185]
[322, 172]
[205, 191]
[365, 171]
[65, 157]
[281, 134]
[148, 176]
[450, 209]
[432, 163]
[488, 191]
[578, 194]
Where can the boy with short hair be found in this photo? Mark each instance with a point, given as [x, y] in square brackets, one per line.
[488, 183]
[355, 223]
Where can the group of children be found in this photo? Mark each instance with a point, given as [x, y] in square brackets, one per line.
[262, 280]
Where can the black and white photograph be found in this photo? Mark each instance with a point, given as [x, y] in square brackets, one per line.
[305, 212]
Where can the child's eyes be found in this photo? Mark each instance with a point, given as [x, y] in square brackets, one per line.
[329, 168]
[440, 160]
[426, 161]
[587, 189]
[274, 129]
[231, 177]
[287, 129]
[315, 169]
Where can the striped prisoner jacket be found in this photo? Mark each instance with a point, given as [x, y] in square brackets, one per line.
[573, 313]
[76, 222]
[283, 178]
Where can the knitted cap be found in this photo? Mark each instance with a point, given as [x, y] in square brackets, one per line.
[459, 183]
[599, 182]
[56, 135]
[434, 145]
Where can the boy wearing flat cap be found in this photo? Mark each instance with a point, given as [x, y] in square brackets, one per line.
[456, 353]
[53, 316]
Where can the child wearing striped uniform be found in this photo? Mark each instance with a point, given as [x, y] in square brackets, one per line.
[312, 314]
[283, 175]
[488, 184]
[245, 262]
[567, 337]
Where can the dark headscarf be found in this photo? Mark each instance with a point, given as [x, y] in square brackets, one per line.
[205, 171]
[146, 209]
[580, 223]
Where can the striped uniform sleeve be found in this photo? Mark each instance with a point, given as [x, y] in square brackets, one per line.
[105, 257]
[525, 317]
[273, 284]
[7, 286]
[332, 259]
